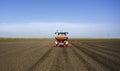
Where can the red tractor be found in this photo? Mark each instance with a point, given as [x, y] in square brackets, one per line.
[61, 39]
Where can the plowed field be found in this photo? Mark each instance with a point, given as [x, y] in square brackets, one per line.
[41, 55]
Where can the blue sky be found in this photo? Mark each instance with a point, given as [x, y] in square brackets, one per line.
[41, 18]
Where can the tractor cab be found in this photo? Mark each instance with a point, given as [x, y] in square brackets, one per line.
[61, 34]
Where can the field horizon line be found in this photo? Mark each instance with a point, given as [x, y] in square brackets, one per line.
[5, 38]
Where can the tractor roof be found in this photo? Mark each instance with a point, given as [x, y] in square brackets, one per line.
[61, 32]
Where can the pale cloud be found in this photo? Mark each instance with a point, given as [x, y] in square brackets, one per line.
[47, 29]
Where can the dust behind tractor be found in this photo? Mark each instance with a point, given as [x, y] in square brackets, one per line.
[61, 39]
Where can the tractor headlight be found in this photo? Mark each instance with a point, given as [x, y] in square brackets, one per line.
[66, 42]
[56, 42]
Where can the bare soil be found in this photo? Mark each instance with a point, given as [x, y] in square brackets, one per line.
[41, 55]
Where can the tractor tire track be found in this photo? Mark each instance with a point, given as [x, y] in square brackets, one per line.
[109, 53]
[107, 63]
[42, 59]
[19, 59]
[88, 62]
[55, 66]
[68, 65]
[112, 57]
[61, 61]
[106, 53]
[116, 51]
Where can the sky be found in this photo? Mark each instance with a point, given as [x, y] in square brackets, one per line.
[41, 18]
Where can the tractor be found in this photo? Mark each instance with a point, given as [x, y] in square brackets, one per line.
[61, 39]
